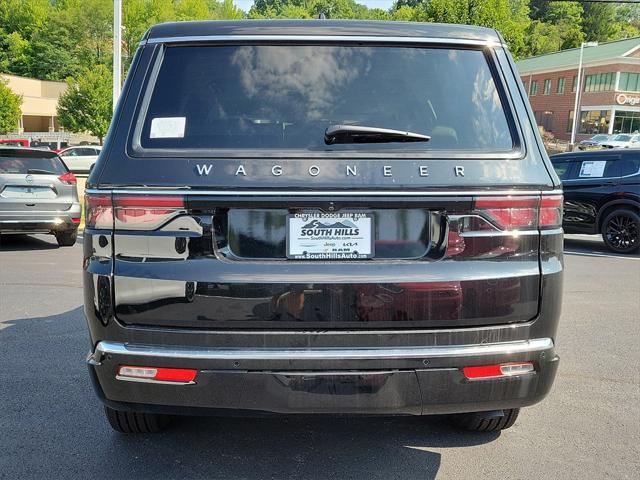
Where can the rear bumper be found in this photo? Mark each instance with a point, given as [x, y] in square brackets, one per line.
[381, 380]
[40, 222]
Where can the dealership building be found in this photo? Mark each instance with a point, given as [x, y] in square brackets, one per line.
[38, 120]
[609, 98]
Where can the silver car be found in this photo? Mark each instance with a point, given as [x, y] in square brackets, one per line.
[38, 194]
[622, 140]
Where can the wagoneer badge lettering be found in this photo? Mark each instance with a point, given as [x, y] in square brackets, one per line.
[314, 170]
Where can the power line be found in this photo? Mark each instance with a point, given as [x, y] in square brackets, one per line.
[612, 2]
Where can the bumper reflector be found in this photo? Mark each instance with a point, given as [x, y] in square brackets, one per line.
[156, 374]
[498, 370]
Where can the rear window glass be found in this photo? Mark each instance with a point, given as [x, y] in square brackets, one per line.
[285, 97]
[562, 169]
[596, 167]
[33, 166]
[622, 138]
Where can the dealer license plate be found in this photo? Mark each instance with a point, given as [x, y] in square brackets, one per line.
[330, 236]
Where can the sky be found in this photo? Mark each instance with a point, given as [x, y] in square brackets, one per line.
[384, 4]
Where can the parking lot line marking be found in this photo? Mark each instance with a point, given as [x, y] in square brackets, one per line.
[604, 255]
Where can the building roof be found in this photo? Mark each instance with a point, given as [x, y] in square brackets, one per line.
[567, 59]
[322, 27]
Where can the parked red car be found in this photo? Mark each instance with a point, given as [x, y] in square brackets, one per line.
[15, 142]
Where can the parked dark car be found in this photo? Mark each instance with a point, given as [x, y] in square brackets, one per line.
[324, 217]
[594, 142]
[38, 194]
[602, 195]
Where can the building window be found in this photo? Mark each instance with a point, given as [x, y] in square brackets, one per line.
[560, 88]
[570, 122]
[534, 88]
[599, 82]
[546, 90]
[595, 121]
[629, 82]
[575, 83]
[626, 122]
[544, 119]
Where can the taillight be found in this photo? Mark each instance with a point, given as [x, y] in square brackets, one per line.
[131, 212]
[98, 211]
[522, 212]
[550, 211]
[511, 212]
[69, 178]
[145, 212]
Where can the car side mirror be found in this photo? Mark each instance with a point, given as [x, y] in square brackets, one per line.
[91, 167]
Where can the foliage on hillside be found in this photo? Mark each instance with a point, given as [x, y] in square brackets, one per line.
[56, 39]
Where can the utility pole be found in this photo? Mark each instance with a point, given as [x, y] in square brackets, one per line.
[576, 113]
[117, 49]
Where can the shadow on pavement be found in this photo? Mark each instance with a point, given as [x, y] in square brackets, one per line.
[591, 245]
[15, 243]
[54, 427]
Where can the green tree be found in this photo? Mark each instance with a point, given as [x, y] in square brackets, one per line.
[542, 38]
[598, 22]
[269, 8]
[192, 10]
[54, 52]
[14, 53]
[226, 10]
[407, 3]
[403, 13]
[499, 14]
[86, 106]
[561, 21]
[24, 16]
[628, 14]
[137, 17]
[9, 109]
[627, 21]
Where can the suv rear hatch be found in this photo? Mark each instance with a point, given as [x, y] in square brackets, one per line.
[33, 181]
[251, 218]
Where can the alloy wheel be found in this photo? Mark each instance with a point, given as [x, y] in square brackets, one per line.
[622, 232]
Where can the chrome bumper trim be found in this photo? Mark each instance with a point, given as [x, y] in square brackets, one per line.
[364, 353]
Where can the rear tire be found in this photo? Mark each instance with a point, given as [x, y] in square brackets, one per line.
[475, 422]
[67, 239]
[621, 231]
[136, 422]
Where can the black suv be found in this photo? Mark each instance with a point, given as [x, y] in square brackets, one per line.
[322, 217]
[602, 195]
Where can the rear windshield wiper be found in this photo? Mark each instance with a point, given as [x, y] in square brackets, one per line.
[40, 171]
[360, 134]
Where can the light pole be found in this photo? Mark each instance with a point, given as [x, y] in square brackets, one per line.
[576, 113]
[117, 49]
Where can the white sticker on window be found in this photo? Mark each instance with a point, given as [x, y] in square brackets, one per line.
[167, 127]
[592, 169]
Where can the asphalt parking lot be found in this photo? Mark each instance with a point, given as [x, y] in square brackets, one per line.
[52, 425]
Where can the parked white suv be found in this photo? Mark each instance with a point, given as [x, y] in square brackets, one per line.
[80, 159]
